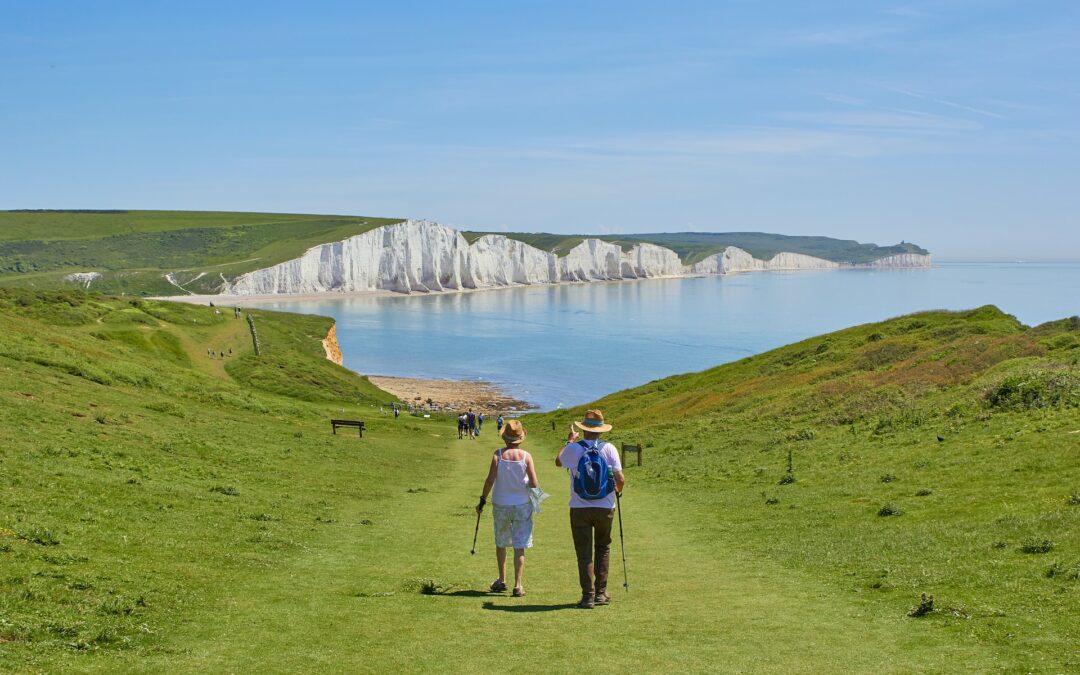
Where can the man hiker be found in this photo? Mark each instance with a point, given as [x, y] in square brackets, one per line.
[470, 419]
[595, 478]
[499, 423]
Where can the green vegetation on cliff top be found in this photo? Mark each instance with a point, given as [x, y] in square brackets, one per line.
[161, 510]
[134, 250]
[694, 247]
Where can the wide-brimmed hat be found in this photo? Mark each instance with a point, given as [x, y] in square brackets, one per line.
[513, 431]
[594, 422]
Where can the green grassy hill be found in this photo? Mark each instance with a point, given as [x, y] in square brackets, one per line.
[934, 453]
[165, 511]
[133, 250]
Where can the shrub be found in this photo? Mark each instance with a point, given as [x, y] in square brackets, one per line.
[787, 480]
[889, 509]
[1028, 391]
[887, 478]
[924, 492]
[1037, 546]
[1074, 499]
[801, 435]
[429, 587]
[227, 490]
[925, 606]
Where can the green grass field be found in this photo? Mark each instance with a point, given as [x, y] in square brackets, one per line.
[133, 250]
[162, 511]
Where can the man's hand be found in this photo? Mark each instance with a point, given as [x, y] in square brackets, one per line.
[480, 506]
[573, 435]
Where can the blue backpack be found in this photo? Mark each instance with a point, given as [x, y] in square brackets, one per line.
[593, 479]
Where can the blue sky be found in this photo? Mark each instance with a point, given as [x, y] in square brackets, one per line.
[954, 124]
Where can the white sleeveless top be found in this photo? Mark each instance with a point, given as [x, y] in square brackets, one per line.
[511, 483]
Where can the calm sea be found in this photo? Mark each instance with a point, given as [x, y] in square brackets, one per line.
[569, 344]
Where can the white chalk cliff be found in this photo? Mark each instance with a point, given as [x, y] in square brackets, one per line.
[419, 255]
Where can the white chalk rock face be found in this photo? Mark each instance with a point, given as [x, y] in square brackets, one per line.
[731, 260]
[798, 261]
[901, 260]
[495, 260]
[404, 257]
[592, 260]
[734, 259]
[422, 256]
[83, 279]
[646, 261]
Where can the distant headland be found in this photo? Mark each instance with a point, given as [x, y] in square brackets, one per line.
[259, 254]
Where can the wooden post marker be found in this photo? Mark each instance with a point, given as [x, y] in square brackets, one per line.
[626, 447]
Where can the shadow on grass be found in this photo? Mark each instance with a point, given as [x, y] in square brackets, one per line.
[528, 608]
[465, 594]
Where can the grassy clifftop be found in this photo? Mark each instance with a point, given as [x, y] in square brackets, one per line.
[165, 510]
[133, 250]
[934, 453]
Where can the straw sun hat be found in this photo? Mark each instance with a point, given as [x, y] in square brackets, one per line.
[513, 431]
[594, 422]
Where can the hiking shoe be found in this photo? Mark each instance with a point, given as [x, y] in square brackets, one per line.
[587, 602]
[519, 592]
[602, 598]
[498, 586]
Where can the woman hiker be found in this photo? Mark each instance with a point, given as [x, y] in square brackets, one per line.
[512, 474]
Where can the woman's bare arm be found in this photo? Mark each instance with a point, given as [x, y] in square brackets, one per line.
[531, 470]
[493, 471]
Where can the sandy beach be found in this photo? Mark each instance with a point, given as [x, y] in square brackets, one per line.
[455, 394]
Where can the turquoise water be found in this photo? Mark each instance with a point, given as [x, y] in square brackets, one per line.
[568, 344]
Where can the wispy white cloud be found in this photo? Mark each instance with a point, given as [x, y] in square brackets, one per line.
[895, 121]
[842, 35]
[906, 11]
[944, 102]
[730, 146]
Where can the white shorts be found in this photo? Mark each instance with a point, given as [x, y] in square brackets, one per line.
[513, 525]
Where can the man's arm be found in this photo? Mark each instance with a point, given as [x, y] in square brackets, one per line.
[620, 481]
[570, 438]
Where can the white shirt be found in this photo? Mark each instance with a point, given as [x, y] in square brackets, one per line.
[571, 454]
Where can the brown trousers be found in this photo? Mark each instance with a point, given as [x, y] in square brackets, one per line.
[592, 561]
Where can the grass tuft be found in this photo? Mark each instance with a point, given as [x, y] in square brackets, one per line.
[889, 509]
[1037, 546]
[925, 606]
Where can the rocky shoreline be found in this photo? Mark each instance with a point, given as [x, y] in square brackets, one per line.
[452, 395]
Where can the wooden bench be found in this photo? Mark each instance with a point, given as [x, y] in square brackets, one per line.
[631, 448]
[334, 424]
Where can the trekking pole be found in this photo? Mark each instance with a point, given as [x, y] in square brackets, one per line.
[622, 542]
[477, 532]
